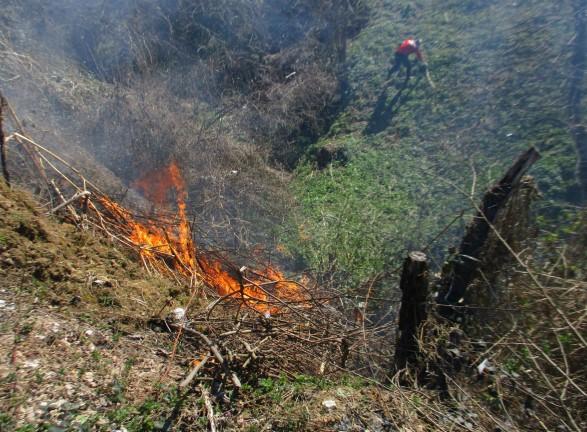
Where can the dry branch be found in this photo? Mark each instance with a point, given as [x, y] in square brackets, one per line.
[3, 159]
[209, 408]
[190, 377]
[77, 196]
[213, 349]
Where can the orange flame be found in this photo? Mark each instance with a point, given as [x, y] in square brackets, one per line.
[156, 188]
[263, 290]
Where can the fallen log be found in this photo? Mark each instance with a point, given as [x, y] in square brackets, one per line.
[413, 312]
[462, 267]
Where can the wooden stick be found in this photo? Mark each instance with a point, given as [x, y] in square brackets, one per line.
[209, 408]
[3, 142]
[194, 372]
[60, 195]
[429, 78]
[69, 201]
[32, 152]
[213, 348]
[20, 136]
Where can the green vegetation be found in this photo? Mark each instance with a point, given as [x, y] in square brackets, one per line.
[286, 131]
[360, 218]
[500, 74]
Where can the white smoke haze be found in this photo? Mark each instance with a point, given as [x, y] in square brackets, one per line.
[121, 88]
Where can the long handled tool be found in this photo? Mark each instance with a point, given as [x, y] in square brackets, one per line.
[429, 78]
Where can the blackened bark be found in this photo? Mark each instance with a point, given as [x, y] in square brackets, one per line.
[578, 65]
[413, 311]
[461, 269]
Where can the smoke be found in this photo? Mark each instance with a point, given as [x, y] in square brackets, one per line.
[225, 88]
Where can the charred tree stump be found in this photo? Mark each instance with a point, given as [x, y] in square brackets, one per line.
[578, 66]
[579, 133]
[3, 143]
[413, 311]
[461, 269]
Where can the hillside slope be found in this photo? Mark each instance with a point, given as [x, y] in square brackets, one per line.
[77, 351]
[233, 91]
[234, 95]
[410, 155]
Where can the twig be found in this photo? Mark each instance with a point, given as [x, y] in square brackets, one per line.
[213, 348]
[194, 372]
[60, 195]
[209, 408]
[3, 142]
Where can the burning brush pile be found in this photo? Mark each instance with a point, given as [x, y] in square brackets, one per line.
[240, 323]
[166, 246]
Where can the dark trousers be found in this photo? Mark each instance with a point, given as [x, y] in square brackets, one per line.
[398, 61]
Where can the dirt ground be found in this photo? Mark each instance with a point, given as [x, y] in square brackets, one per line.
[73, 347]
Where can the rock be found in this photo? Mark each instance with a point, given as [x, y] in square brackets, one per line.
[7, 306]
[88, 378]
[57, 404]
[329, 404]
[32, 363]
[8, 261]
[178, 314]
[485, 366]
[71, 406]
[50, 375]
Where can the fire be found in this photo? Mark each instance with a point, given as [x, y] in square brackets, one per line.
[168, 245]
[156, 188]
[264, 290]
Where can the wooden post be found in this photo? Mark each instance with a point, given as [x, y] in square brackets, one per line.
[413, 312]
[3, 143]
[461, 269]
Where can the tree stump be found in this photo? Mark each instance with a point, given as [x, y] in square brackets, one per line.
[413, 311]
[462, 268]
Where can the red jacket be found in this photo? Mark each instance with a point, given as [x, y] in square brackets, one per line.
[408, 47]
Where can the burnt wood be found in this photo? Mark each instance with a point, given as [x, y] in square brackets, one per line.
[413, 312]
[462, 267]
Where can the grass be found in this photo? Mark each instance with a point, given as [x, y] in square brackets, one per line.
[499, 90]
[499, 73]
